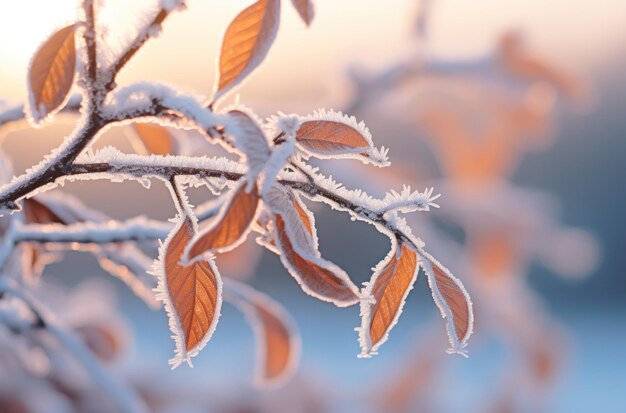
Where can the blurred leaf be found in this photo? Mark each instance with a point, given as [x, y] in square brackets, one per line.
[305, 10]
[156, 139]
[278, 344]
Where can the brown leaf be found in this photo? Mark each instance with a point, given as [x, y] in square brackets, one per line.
[306, 216]
[231, 226]
[36, 212]
[391, 282]
[102, 339]
[453, 302]
[278, 345]
[305, 10]
[328, 137]
[317, 277]
[246, 43]
[35, 258]
[156, 139]
[51, 73]
[192, 295]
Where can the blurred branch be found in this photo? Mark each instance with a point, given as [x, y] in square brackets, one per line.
[120, 394]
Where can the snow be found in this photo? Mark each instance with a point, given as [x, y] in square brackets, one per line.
[376, 156]
[139, 97]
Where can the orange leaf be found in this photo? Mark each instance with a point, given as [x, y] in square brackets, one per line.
[317, 277]
[51, 73]
[391, 282]
[328, 137]
[231, 226]
[103, 339]
[307, 218]
[278, 345]
[36, 212]
[454, 304]
[192, 295]
[156, 139]
[246, 43]
[305, 10]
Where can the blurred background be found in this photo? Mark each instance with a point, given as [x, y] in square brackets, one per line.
[512, 110]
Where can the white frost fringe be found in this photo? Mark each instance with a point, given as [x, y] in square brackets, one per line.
[377, 157]
[162, 294]
[457, 344]
[369, 349]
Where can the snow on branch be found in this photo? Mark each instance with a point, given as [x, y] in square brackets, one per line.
[261, 191]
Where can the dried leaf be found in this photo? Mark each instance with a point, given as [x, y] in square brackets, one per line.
[278, 344]
[454, 304]
[156, 139]
[231, 226]
[305, 10]
[51, 73]
[385, 296]
[246, 43]
[317, 277]
[307, 218]
[192, 295]
[330, 137]
[36, 212]
[102, 339]
[251, 141]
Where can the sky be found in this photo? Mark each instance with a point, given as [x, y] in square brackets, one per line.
[306, 67]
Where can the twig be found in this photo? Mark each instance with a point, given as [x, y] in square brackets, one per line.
[122, 395]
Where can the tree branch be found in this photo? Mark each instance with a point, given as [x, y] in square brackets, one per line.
[166, 171]
[89, 35]
[125, 398]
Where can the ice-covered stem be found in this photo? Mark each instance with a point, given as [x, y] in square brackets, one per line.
[16, 113]
[136, 229]
[123, 396]
[60, 162]
[164, 170]
[53, 167]
[141, 38]
[89, 36]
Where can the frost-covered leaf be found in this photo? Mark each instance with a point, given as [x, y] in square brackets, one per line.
[251, 141]
[454, 304]
[231, 226]
[156, 139]
[307, 218]
[192, 294]
[329, 134]
[278, 344]
[317, 276]
[305, 10]
[385, 295]
[246, 43]
[51, 74]
[330, 137]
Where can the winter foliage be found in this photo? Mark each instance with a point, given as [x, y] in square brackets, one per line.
[261, 187]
